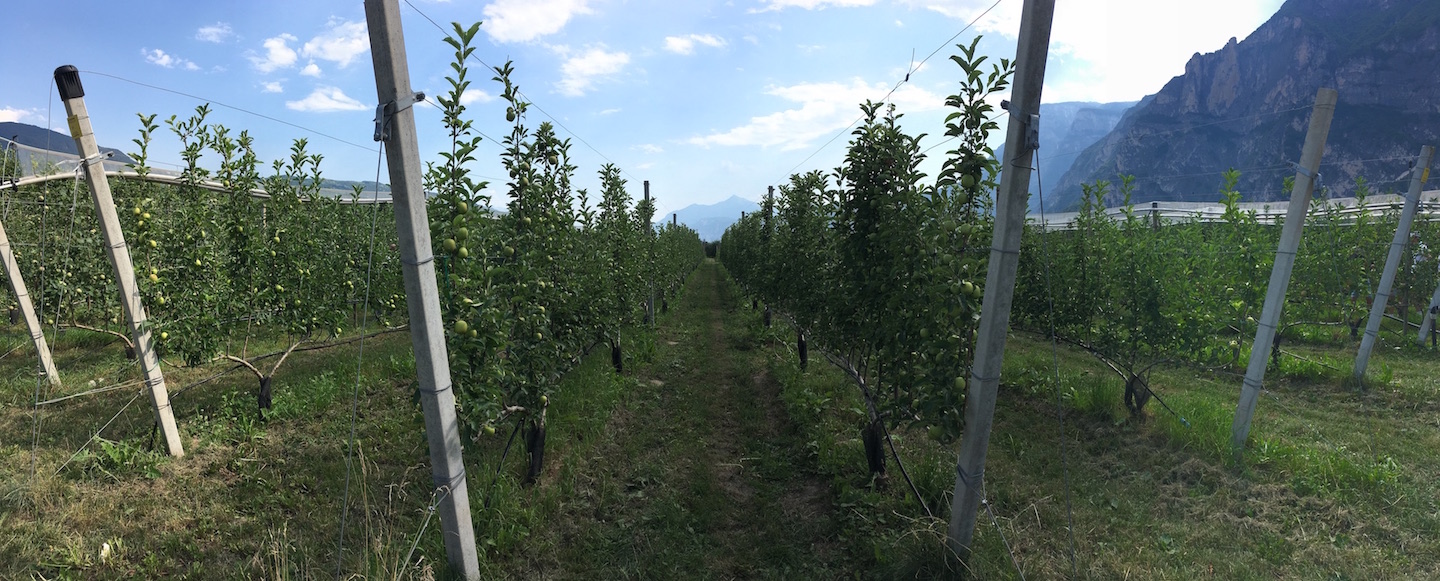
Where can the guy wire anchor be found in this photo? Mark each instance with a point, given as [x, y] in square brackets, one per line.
[384, 111]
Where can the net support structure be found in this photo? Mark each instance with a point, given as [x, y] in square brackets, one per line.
[27, 308]
[67, 79]
[1306, 175]
[395, 126]
[1419, 173]
[1021, 141]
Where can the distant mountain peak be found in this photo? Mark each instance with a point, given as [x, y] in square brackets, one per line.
[711, 220]
[1246, 106]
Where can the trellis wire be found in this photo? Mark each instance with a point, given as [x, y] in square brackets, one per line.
[1055, 357]
[359, 374]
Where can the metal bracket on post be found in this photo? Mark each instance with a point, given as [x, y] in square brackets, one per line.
[1030, 136]
[384, 111]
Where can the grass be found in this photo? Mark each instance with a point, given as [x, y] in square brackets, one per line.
[715, 457]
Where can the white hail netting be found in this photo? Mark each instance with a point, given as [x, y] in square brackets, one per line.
[23, 161]
[23, 164]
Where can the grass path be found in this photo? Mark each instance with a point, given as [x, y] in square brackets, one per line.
[700, 475]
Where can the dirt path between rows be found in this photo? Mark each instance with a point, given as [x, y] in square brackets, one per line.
[703, 476]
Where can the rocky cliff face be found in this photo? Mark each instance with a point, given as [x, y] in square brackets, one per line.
[1066, 129]
[1247, 106]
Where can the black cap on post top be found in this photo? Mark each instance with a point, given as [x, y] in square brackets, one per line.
[67, 78]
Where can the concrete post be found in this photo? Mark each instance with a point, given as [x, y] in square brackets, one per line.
[427, 331]
[1305, 178]
[649, 265]
[67, 78]
[27, 307]
[1392, 263]
[1030, 56]
[1429, 323]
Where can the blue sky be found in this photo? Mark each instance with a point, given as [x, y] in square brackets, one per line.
[704, 98]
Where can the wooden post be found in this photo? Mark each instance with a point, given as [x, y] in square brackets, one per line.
[1392, 264]
[27, 307]
[1155, 216]
[1305, 177]
[675, 219]
[427, 331]
[67, 79]
[1032, 50]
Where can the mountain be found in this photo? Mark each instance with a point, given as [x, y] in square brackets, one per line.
[711, 220]
[1066, 129]
[42, 138]
[1247, 106]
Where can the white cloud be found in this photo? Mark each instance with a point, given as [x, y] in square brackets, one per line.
[582, 69]
[524, 20]
[686, 44]
[169, 61]
[340, 43]
[278, 54]
[824, 108]
[646, 165]
[1117, 50]
[475, 96]
[8, 114]
[272, 87]
[650, 148]
[325, 100]
[772, 5]
[311, 70]
[216, 33]
[609, 111]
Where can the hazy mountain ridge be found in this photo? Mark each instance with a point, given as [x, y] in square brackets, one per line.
[1222, 112]
[711, 220]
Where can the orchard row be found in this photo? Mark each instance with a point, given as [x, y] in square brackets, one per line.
[880, 267]
[526, 290]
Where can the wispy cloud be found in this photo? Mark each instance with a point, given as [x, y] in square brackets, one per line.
[9, 114]
[471, 96]
[525, 20]
[609, 111]
[582, 69]
[161, 58]
[326, 100]
[824, 108]
[272, 87]
[650, 148]
[686, 44]
[773, 5]
[217, 33]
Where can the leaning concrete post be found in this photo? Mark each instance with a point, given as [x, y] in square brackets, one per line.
[1305, 177]
[1392, 264]
[27, 307]
[1032, 52]
[67, 78]
[396, 127]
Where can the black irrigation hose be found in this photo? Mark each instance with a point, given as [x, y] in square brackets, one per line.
[499, 466]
